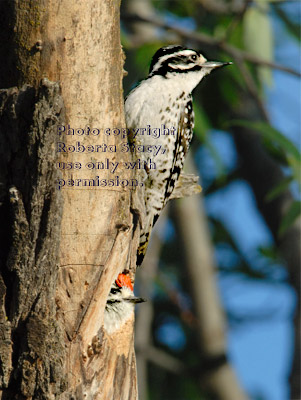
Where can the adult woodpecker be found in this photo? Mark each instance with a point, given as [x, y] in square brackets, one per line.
[164, 98]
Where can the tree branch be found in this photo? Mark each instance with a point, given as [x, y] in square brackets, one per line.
[220, 7]
[237, 19]
[162, 359]
[217, 374]
[252, 88]
[209, 41]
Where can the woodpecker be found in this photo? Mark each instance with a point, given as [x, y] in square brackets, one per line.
[164, 99]
[120, 303]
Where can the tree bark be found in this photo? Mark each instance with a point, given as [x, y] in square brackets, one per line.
[32, 347]
[62, 249]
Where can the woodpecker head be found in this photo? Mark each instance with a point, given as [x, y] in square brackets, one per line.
[180, 62]
[120, 303]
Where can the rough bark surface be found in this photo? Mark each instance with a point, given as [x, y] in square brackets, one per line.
[65, 355]
[31, 350]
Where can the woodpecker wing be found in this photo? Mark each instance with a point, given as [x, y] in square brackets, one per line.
[184, 136]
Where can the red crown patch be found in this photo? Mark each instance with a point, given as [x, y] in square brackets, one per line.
[124, 280]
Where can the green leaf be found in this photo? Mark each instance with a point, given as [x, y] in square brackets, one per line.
[222, 236]
[278, 189]
[271, 134]
[228, 87]
[290, 217]
[295, 164]
[220, 166]
[237, 38]
[144, 55]
[126, 44]
[292, 28]
[258, 37]
[269, 252]
[218, 183]
[202, 124]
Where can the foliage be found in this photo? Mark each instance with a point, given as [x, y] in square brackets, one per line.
[225, 100]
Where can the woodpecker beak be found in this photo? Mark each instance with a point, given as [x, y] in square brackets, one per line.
[136, 300]
[215, 64]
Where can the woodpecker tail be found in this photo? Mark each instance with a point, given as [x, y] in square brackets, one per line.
[144, 238]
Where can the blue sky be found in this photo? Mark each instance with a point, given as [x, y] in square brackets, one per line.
[261, 351]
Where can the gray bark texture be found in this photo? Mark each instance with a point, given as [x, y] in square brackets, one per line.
[31, 350]
[62, 249]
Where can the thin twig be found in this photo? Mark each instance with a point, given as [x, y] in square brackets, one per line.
[209, 41]
[221, 7]
[236, 20]
[252, 88]
[162, 359]
[235, 52]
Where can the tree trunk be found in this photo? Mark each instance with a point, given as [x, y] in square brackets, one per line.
[216, 373]
[32, 347]
[63, 245]
[264, 174]
[255, 160]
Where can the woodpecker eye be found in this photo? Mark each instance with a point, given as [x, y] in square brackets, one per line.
[114, 291]
[194, 57]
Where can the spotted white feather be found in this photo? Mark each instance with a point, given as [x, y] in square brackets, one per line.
[164, 98]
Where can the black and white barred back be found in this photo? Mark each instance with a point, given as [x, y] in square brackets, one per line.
[164, 98]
